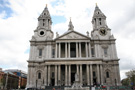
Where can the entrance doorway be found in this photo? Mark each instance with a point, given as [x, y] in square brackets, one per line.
[52, 81]
[73, 71]
[72, 78]
[94, 81]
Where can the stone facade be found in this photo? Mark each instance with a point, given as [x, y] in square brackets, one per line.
[54, 62]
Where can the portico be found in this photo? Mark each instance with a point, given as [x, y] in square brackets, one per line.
[72, 49]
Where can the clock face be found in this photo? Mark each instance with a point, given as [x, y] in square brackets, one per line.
[102, 32]
[41, 32]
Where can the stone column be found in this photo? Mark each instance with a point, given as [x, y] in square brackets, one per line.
[80, 49]
[59, 74]
[65, 50]
[55, 75]
[86, 49]
[69, 75]
[89, 50]
[96, 50]
[77, 69]
[112, 54]
[69, 49]
[31, 75]
[88, 78]
[101, 71]
[59, 50]
[81, 74]
[48, 75]
[28, 76]
[65, 75]
[99, 51]
[118, 74]
[76, 49]
[45, 78]
[98, 78]
[115, 51]
[91, 76]
[56, 50]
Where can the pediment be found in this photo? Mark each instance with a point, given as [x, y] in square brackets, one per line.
[73, 35]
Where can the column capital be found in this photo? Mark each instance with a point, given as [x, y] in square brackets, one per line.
[80, 64]
[101, 64]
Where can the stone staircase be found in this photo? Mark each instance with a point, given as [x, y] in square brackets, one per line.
[56, 87]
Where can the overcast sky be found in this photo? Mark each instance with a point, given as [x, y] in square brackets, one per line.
[18, 20]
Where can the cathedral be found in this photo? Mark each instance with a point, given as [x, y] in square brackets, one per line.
[55, 61]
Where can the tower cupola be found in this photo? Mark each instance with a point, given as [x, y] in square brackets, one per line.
[44, 20]
[99, 19]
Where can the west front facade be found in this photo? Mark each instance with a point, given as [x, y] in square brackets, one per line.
[55, 61]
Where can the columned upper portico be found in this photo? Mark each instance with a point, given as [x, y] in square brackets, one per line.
[73, 50]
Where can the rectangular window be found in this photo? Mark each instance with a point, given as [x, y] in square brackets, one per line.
[105, 51]
[40, 52]
[94, 74]
[92, 52]
[73, 52]
[52, 74]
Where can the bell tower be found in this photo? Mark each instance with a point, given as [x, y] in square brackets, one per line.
[43, 31]
[44, 20]
[100, 28]
[99, 19]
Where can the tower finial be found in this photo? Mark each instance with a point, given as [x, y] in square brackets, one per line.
[96, 4]
[71, 27]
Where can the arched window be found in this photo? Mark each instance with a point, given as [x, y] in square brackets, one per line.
[39, 75]
[107, 74]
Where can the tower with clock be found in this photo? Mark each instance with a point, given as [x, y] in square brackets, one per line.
[43, 31]
[100, 28]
